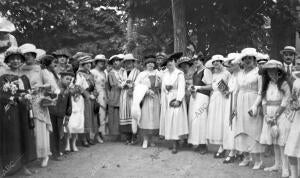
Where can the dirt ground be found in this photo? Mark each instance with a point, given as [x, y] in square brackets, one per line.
[114, 159]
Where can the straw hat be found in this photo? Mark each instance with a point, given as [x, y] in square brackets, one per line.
[174, 56]
[85, 59]
[28, 48]
[6, 25]
[288, 48]
[13, 51]
[229, 60]
[161, 55]
[273, 64]
[119, 57]
[100, 57]
[129, 57]
[183, 60]
[214, 58]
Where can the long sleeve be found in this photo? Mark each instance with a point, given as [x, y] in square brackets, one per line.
[69, 106]
[113, 81]
[287, 94]
[181, 87]
[259, 84]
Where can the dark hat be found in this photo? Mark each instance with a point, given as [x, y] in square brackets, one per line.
[174, 56]
[61, 52]
[150, 59]
[68, 72]
[184, 60]
[13, 51]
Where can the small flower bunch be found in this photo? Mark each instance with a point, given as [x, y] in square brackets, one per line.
[11, 87]
[75, 90]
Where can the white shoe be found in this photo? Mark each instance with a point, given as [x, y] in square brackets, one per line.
[75, 149]
[273, 168]
[45, 161]
[245, 162]
[257, 165]
[145, 144]
[285, 173]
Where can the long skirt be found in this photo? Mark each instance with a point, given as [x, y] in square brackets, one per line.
[113, 120]
[173, 121]
[229, 127]
[284, 125]
[197, 116]
[90, 119]
[76, 120]
[216, 117]
[149, 122]
[292, 147]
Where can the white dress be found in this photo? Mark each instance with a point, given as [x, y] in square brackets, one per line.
[198, 106]
[76, 120]
[229, 128]
[173, 121]
[273, 100]
[248, 129]
[217, 109]
[292, 147]
[101, 82]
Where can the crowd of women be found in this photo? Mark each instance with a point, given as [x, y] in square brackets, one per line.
[52, 102]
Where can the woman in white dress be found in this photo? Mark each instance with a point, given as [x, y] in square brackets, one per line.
[292, 147]
[199, 101]
[276, 94]
[217, 104]
[173, 117]
[229, 124]
[249, 121]
[150, 105]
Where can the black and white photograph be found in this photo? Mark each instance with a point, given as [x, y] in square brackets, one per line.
[150, 88]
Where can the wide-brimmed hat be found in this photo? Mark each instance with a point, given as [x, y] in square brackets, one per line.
[13, 51]
[184, 60]
[262, 58]
[174, 56]
[288, 48]
[40, 53]
[150, 59]
[85, 59]
[217, 57]
[6, 25]
[161, 55]
[61, 52]
[273, 64]
[28, 48]
[229, 60]
[119, 57]
[69, 72]
[129, 57]
[100, 57]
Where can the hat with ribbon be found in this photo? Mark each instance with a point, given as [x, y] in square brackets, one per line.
[129, 57]
[100, 57]
[85, 59]
[13, 51]
[213, 59]
[247, 52]
[273, 64]
[6, 25]
[184, 60]
[288, 49]
[28, 48]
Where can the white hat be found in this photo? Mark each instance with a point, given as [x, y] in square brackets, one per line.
[85, 59]
[118, 56]
[100, 57]
[214, 58]
[6, 25]
[262, 58]
[129, 57]
[40, 53]
[288, 48]
[231, 57]
[273, 64]
[28, 48]
[247, 52]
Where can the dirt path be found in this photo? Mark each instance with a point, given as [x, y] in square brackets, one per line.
[117, 160]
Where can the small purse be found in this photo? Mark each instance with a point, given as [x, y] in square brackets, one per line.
[172, 103]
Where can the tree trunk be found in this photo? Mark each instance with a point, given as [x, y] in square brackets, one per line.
[179, 26]
[130, 28]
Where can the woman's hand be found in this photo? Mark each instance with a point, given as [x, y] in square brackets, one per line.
[176, 103]
[253, 111]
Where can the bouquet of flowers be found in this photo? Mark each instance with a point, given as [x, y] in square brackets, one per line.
[75, 91]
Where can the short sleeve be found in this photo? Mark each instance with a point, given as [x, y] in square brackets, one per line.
[207, 78]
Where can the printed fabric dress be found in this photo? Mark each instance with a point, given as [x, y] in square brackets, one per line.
[173, 121]
[198, 107]
[126, 100]
[292, 147]
[273, 100]
[16, 135]
[248, 129]
[150, 105]
[230, 121]
[217, 109]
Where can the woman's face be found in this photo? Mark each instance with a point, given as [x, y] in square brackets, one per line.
[150, 66]
[171, 64]
[248, 61]
[129, 65]
[100, 64]
[217, 64]
[30, 58]
[198, 63]
[62, 59]
[274, 74]
[87, 66]
[14, 61]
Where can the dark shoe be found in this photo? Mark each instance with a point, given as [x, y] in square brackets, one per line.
[174, 151]
[57, 158]
[203, 150]
[91, 142]
[229, 159]
[220, 155]
[239, 157]
[134, 140]
[85, 144]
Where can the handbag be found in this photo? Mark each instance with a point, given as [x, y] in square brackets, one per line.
[172, 104]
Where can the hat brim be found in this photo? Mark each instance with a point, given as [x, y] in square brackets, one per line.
[185, 62]
[228, 63]
[174, 56]
[287, 50]
[6, 58]
[87, 61]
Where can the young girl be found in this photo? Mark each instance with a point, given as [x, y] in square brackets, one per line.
[275, 99]
[292, 148]
[217, 105]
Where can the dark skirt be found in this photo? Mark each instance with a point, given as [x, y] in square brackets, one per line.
[113, 120]
[125, 129]
[90, 118]
[16, 140]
